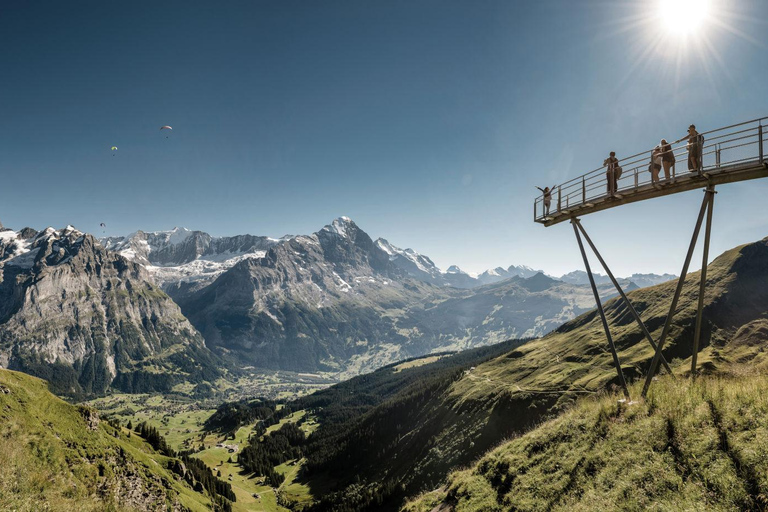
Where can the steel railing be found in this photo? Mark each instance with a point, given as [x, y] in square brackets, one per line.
[725, 147]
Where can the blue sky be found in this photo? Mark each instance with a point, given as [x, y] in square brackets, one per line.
[427, 122]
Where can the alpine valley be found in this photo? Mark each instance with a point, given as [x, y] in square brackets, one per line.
[151, 310]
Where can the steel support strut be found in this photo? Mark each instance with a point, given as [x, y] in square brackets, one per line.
[702, 285]
[616, 362]
[678, 290]
[631, 308]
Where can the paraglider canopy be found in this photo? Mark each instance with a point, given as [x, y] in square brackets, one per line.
[114, 148]
[166, 127]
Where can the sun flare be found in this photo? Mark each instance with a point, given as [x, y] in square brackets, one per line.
[683, 17]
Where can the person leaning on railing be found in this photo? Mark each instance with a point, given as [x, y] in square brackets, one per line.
[694, 147]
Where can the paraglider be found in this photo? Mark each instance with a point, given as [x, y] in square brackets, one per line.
[166, 127]
[114, 148]
[104, 227]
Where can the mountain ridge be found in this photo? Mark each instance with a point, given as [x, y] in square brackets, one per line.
[414, 263]
[86, 318]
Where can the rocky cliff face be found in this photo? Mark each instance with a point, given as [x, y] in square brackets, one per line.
[311, 302]
[183, 261]
[336, 300]
[85, 318]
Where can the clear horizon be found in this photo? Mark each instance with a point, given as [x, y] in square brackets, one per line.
[429, 123]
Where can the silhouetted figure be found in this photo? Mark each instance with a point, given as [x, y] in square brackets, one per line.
[612, 173]
[667, 157]
[547, 198]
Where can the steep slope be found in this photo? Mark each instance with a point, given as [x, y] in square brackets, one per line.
[407, 444]
[690, 446]
[412, 263]
[311, 302]
[57, 456]
[86, 318]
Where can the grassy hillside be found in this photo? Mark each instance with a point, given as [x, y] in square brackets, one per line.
[410, 442]
[690, 446]
[56, 456]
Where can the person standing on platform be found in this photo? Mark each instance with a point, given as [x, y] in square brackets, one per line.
[612, 173]
[695, 147]
[655, 166]
[547, 198]
[667, 158]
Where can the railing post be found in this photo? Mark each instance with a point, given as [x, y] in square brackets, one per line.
[583, 190]
[717, 156]
[534, 210]
[559, 199]
[760, 137]
[636, 181]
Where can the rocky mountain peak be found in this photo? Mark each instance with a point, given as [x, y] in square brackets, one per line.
[70, 305]
[343, 227]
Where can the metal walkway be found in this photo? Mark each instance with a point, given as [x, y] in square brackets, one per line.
[730, 154]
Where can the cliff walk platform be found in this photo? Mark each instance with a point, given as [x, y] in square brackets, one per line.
[729, 154]
[726, 155]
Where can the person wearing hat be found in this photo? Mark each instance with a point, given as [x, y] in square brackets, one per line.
[694, 147]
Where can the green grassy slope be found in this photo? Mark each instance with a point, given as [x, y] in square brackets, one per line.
[690, 446]
[575, 358]
[56, 456]
[679, 450]
[411, 442]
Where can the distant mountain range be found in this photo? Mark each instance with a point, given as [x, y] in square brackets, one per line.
[132, 312]
[338, 300]
[187, 260]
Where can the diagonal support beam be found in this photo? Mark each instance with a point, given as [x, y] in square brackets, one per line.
[616, 361]
[702, 285]
[631, 308]
[676, 298]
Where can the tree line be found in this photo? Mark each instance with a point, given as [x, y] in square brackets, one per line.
[262, 454]
[192, 470]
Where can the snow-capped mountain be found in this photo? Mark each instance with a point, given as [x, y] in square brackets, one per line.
[334, 299]
[413, 263]
[85, 318]
[500, 274]
[181, 260]
[641, 280]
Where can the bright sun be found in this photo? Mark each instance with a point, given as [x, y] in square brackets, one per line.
[683, 17]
